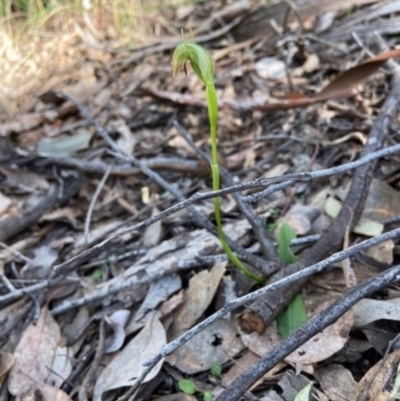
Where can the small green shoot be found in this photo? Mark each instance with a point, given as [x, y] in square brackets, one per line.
[207, 396]
[285, 237]
[187, 386]
[216, 369]
[295, 314]
[97, 274]
[203, 66]
[292, 317]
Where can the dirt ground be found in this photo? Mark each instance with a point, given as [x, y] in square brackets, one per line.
[113, 281]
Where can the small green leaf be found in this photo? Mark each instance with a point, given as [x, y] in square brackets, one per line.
[187, 386]
[304, 394]
[292, 317]
[285, 236]
[97, 274]
[216, 369]
[207, 396]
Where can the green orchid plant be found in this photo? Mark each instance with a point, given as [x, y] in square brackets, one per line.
[203, 66]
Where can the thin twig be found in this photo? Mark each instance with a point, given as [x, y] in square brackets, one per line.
[15, 252]
[93, 202]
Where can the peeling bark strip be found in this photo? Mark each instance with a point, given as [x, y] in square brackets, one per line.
[264, 310]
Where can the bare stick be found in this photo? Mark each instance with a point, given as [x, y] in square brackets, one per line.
[93, 202]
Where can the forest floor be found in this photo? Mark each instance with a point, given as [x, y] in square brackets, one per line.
[113, 282]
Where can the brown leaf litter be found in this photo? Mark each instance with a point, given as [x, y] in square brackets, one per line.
[101, 270]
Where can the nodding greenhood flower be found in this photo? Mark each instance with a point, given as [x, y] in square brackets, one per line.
[199, 58]
[203, 66]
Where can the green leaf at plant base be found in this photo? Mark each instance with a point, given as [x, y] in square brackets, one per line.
[295, 314]
[292, 317]
[216, 369]
[304, 394]
[187, 386]
[285, 236]
[207, 396]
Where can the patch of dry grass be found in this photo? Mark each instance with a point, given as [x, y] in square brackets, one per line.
[43, 43]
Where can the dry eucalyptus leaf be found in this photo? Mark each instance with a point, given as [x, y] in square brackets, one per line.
[337, 382]
[218, 343]
[382, 252]
[117, 321]
[127, 366]
[159, 291]
[370, 310]
[61, 367]
[21, 178]
[40, 265]
[364, 226]
[198, 296]
[4, 203]
[44, 392]
[34, 354]
[271, 68]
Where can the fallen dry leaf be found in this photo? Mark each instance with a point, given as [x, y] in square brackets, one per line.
[218, 343]
[128, 364]
[201, 291]
[34, 354]
[369, 310]
[337, 382]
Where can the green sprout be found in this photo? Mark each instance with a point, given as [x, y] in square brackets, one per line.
[203, 66]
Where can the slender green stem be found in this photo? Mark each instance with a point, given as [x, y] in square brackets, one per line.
[204, 69]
